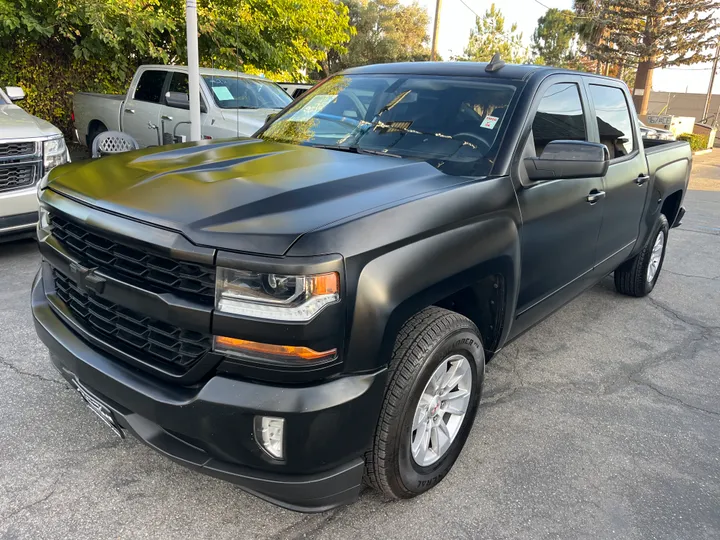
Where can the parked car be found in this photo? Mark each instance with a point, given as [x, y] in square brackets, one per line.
[29, 148]
[300, 310]
[295, 90]
[648, 132]
[155, 109]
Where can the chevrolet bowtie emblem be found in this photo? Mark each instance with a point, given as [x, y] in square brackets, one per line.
[86, 278]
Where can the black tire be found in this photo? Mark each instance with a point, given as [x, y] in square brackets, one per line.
[96, 129]
[631, 276]
[423, 343]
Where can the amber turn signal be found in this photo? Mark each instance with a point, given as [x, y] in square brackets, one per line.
[284, 352]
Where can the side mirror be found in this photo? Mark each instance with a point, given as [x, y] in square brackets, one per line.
[180, 100]
[569, 159]
[15, 93]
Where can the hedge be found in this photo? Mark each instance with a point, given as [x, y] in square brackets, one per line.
[49, 78]
[696, 140]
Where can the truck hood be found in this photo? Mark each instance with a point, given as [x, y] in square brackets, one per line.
[246, 195]
[15, 123]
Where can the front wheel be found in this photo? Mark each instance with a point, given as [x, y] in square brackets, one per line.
[435, 382]
[638, 276]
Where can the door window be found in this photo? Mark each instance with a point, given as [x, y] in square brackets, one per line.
[559, 117]
[614, 120]
[150, 85]
[179, 83]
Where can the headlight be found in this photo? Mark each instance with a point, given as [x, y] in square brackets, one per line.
[275, 296]
[55, 153]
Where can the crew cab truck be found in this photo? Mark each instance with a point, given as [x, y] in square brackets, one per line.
[155, 110]
[29, 148]
[314, 306]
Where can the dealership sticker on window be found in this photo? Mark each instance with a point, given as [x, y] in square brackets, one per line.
[222, 93]
[489, 122]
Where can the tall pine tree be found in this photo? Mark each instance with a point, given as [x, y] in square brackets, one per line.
[655, 34]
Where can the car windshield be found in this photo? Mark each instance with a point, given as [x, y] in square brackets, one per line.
[3, 98]
[455, 124]
[246, 93]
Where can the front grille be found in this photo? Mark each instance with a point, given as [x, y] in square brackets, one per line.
[17, 149]
[152, 341]
[137, 266]
[16, 176]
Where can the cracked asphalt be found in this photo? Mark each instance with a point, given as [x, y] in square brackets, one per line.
[601, 422]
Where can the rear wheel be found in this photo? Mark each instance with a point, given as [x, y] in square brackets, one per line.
[638, 276]
[435, 382]
[95, 129]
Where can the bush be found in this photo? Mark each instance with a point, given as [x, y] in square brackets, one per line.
[697, 141]
[50, 78]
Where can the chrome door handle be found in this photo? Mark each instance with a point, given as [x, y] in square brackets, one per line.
[595, 196]
[130, 111]
[640, 180]
[166, 117]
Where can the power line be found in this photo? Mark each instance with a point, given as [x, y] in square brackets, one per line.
[471, 9]
[543, 5]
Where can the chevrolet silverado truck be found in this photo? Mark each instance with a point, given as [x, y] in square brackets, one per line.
[155, 110]
[29, 148]
[313, 307]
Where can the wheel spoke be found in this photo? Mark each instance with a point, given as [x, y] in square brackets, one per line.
[442, 426]
[420, 443]
[456, 395]
[420, 415]
[435, 440]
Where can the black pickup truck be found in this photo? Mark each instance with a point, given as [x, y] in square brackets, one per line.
[313, 307]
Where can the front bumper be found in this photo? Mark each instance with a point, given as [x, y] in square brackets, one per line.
[209, 427]
[18, 213]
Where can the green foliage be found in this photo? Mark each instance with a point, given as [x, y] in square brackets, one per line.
[663, 32]
[55, 47]
[386, 31]
[490, 36]
[554, 38]
[696, 140]
[49, 78]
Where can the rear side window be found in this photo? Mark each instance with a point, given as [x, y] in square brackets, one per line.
[613, 119]
[559, 116]
[150, 86]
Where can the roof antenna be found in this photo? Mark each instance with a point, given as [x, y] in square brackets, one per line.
[495, 64]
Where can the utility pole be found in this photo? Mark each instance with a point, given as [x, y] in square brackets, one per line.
[712, 81]
[193, 68]
[436, 29]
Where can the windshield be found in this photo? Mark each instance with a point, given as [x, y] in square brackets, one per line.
[455, 124]
[245, 93]
[3, 98]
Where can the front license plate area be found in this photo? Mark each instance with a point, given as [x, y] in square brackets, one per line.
[96, 406]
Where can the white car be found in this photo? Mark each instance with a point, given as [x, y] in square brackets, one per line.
[155, 109]
[29, 148]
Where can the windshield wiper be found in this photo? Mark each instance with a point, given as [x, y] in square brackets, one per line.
[354, 150]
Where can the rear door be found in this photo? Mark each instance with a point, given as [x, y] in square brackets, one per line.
[560, 226]
[141, 113]
[626, 182]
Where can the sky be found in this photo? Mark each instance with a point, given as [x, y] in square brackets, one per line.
[456, 21]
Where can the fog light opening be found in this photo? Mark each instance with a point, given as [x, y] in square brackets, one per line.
[269, 434]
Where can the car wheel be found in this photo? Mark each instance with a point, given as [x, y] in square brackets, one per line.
[638, 276]
[434, 386]
[94, 131]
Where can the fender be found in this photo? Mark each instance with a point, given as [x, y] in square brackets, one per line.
[394, 286]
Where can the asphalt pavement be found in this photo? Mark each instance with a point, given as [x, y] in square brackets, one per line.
[601, 422]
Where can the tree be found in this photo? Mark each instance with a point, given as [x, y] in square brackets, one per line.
[53, 48]
[554, 37]
[490, 36]
[385, 31]
[654, 34]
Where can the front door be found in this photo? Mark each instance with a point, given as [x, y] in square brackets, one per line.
[626, 182]
[141, 113]
[562, 217]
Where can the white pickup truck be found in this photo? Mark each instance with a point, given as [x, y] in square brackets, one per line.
[29, 148]
[155, 109]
